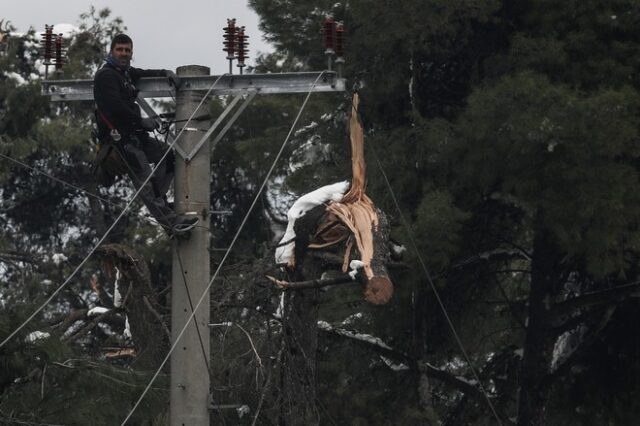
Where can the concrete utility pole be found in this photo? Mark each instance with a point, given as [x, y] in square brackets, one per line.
[189, 361]
[190, 387]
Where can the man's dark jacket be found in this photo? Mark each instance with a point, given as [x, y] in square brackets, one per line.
[115, 93]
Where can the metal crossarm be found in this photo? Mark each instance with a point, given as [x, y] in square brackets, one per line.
[159, 87]
[213, 127]
[226, 128]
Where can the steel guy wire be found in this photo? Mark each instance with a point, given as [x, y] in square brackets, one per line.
[126, 207]
[226, 255]
[433, 286]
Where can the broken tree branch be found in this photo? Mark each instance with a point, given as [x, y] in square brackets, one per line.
[465, 386]
[595, 298]
[317, 283]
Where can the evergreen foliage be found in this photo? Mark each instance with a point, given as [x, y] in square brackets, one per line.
[508, 132]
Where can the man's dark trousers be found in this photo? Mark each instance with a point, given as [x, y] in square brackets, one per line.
[139, 152]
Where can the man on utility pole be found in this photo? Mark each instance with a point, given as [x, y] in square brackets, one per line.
[122, 127]
[123, 137]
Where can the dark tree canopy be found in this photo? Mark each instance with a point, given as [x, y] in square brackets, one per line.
[508, 132]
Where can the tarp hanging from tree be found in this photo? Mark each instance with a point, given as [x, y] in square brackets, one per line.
[352, 218]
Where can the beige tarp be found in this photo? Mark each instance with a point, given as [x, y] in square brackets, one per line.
[354, 218]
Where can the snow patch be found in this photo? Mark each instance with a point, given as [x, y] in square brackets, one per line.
[58, 258]
[312, 151]
[334, 192]
[127, 328]
[467, 381]
[280, 309]
[20, 81]
[398, 249]
[323, 325]
[117, 297]
[312, 125]
[98, 310]
[243, 410]
[392, 365]
[36, 335]
[352, 318]
[565, 345]
[355, 265]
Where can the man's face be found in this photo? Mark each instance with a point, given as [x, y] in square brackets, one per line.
[122, 52]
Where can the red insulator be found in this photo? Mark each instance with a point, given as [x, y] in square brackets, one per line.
[59, 52]
[47, 43]
[241, 40]
[339, 41]
[329, 30]
[230, 38]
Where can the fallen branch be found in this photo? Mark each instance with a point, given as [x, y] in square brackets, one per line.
[467, 387]
[588, 300]
[318, 283]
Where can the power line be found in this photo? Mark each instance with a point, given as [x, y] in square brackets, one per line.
[433, 286]
[75, 271]
[77, 188]
[226, 255]
[91, 194]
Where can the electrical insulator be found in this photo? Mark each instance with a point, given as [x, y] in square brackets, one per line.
[241, 40]
[339, 41]
[230, 38]
[59, 52]
[47, 44]
[329, 31]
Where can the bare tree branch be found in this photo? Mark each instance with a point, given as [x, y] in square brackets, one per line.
[463, 385]
[317, 283]
[596, 298]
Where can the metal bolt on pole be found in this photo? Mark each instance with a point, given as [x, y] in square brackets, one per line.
[189, 373]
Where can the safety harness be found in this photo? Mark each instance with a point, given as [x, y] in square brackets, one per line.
[110, 162]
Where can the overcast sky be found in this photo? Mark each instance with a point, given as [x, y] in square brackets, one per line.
[166, 34]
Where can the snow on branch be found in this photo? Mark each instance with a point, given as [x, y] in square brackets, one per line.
[334, 192]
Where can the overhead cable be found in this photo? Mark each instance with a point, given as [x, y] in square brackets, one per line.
[434, 288]
[226, 255]
[101, 240]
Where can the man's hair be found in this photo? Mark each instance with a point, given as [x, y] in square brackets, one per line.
[121, 39]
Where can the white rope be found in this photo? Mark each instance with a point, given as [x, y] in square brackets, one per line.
[75, 271]
[224, 258]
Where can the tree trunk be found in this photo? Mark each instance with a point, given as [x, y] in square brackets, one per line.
[536, 360]
[149, 330]
[299, 320]
[298, 406]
